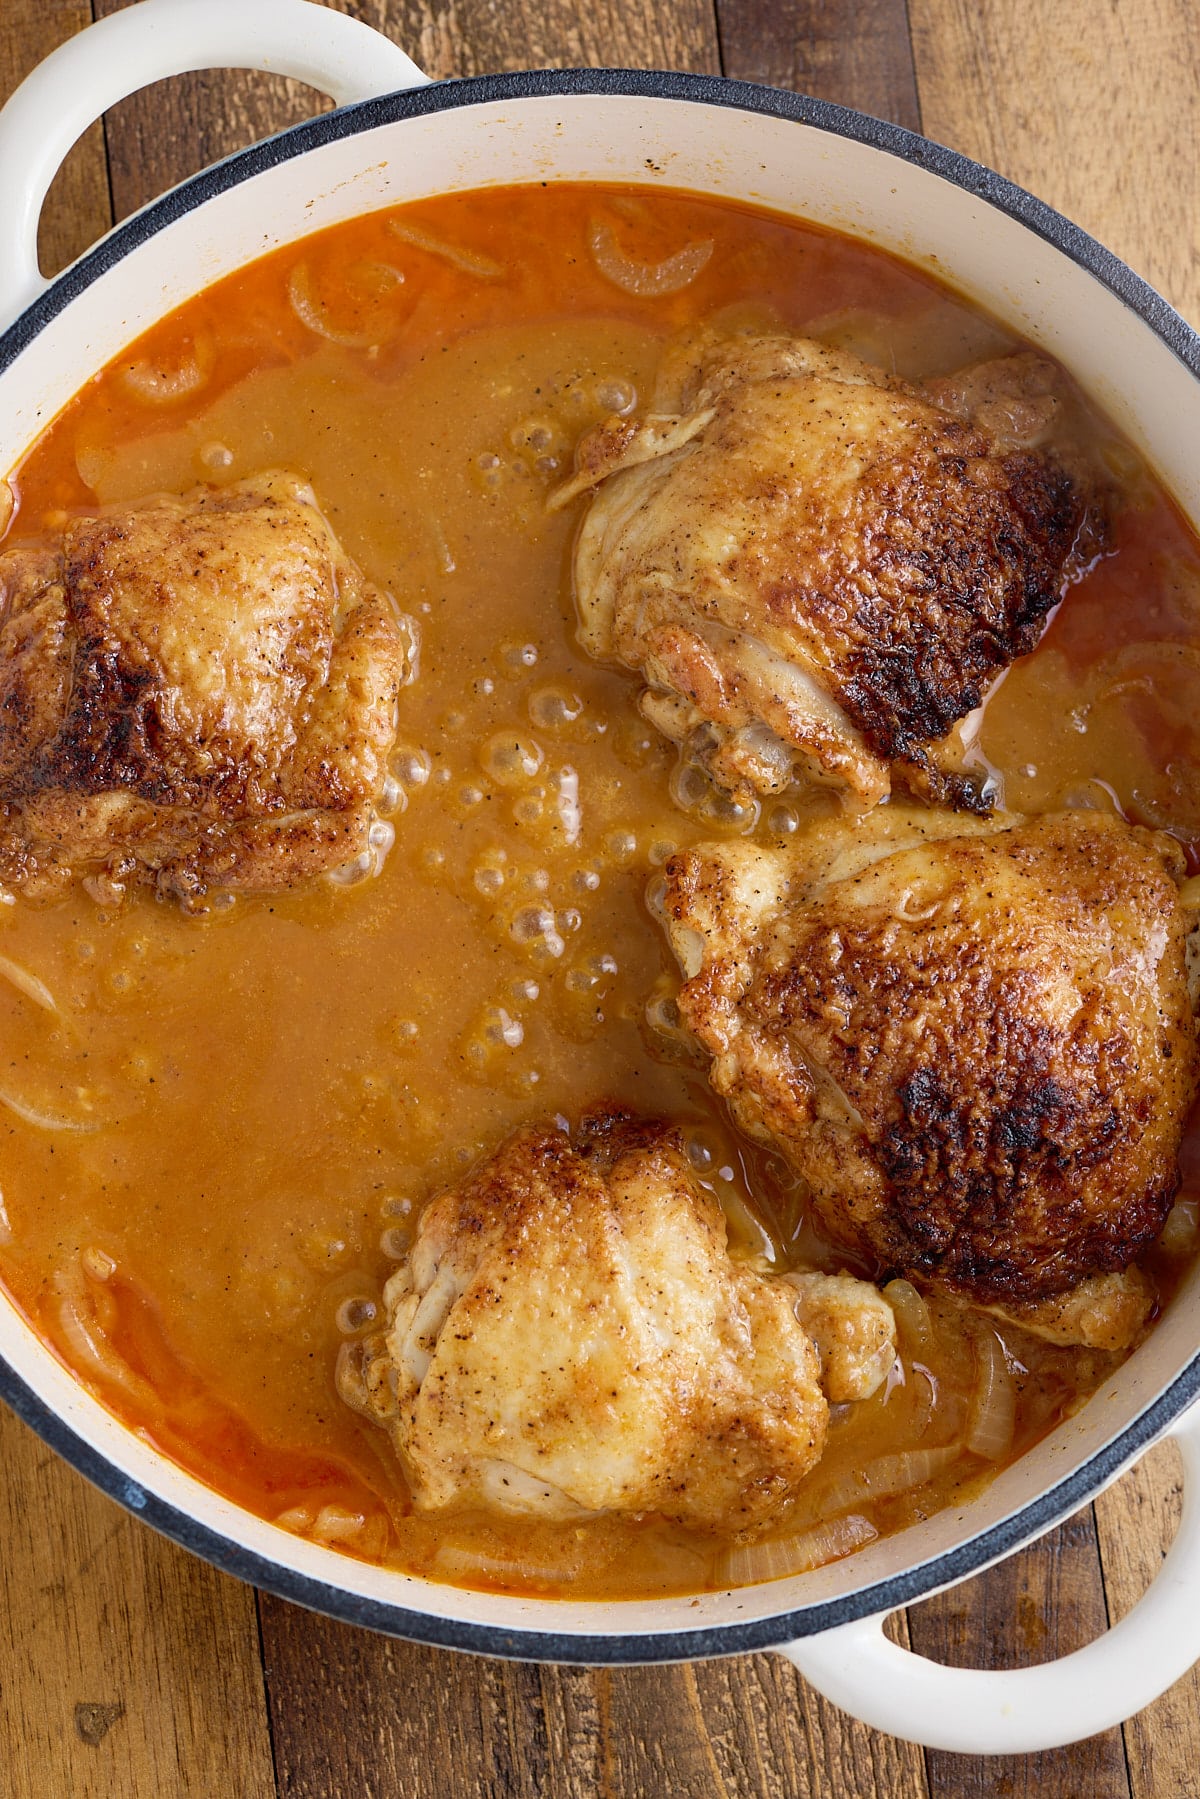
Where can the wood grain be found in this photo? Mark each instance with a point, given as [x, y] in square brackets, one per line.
[424, 1724]
[475, 37]
[859, 56]
[1095, 107]
[1137, 1520]
[126, 1665]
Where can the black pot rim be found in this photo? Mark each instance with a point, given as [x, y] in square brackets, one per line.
[1056, 1502]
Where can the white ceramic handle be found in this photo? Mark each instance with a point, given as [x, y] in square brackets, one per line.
[340, 56]
[1018, 1710]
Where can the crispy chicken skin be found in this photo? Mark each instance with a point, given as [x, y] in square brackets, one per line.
[973, 1039]
[817, 567]
[569, 1335]
[193, 691]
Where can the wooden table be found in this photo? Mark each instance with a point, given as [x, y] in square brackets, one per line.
[129, 1669]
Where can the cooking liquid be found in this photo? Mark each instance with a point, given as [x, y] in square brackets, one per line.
[215, 1140]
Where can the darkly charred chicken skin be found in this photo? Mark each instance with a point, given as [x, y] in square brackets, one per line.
[193, 691]
[819, 568]
[973, 1039]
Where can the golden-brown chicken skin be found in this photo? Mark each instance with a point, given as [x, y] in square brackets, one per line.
[569, 1335]
[193, 690]
[974, 1040]
[818, 569]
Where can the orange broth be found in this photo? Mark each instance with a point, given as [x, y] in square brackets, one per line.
[270, 1090]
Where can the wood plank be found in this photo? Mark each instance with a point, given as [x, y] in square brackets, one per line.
[474, 37]
[1095, 108]
[126, 1665]
[859, 56]
[77, 209]
[423, 1724]
[1137, 1520]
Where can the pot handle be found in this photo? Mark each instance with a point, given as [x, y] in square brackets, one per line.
[1015, 1711]
[102, 64]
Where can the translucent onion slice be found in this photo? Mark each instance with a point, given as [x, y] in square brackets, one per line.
[43, 1120]
[27, 983]
[647, 280]
[157, 386]
[912, 1315]
[81, 1325]
[312, 314]
[993, 1414]
[8, 505]
[471, 262]
[888, 1475]
[473, 1568]
[747, 1563]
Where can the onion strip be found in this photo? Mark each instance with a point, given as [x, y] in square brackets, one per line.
[993, 1413]
[88, 1339]
[912, 1314]
[27, 983]
[887, 1476]
[45, 1121]
[309, 310]
[647, 280]
[163, 387]
[471, 262]
[747, 1563]
[470, 1566]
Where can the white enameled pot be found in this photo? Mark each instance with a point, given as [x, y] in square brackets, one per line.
[397, 138]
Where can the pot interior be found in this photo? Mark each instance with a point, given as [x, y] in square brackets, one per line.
[472, 135]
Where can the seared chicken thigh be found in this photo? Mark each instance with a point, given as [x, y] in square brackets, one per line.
[197, 690]
[818, 568]
[973, 1039]
[569, 1335]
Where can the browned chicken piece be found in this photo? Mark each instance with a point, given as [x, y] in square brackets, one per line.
[193, 691]
[819, 568]
[569, 1335]
[1106, 1311]
[974, 1040]
[853, 1328]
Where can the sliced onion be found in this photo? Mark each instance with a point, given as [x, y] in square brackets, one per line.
[8, 505]
[648, 280]
[88, 1340]
[297, 1518]
[471, 262]
[748, 1563]
[145, 380]
[912, 1314]
[993, 1413]
[471, 1566]
[27, 983]
[888, 1475]
[309, 310]
[45, 1121]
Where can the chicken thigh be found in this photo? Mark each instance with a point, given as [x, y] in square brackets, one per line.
[974, 1040]
[817, 567]
[569, 1336]
[193, 691]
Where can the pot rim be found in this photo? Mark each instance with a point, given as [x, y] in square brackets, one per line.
[1057, 1501]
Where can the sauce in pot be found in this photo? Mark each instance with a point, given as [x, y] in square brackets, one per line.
[216, 1130]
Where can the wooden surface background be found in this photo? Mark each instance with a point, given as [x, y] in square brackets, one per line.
[129, 1669]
